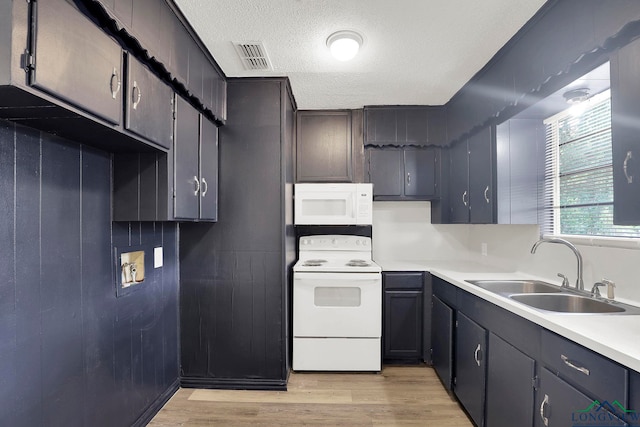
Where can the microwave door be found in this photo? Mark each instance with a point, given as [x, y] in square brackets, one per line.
[331, 208]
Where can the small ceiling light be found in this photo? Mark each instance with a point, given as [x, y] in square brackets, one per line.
[576, 96]
[344, 45]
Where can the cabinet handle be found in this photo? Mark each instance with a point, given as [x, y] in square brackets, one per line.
[136, 99]
[572, 365]
[476, 355]
[115, 87]
[545, 401]
[195, 193]
[624, 167]
[409, 178]
[205, 186]
[464, 197]
[486, 190]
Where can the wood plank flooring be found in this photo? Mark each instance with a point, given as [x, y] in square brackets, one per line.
[398, 396]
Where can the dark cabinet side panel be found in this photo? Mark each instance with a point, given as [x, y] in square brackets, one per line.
[442, 341]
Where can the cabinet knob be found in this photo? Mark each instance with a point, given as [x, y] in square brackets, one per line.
[486, 198]
[545, 402]
[136, 95]
[409, 178]
[464, 198]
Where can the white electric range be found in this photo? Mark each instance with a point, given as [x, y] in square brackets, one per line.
[337, 305]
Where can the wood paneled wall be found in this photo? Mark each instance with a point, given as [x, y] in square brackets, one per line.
[71, 353]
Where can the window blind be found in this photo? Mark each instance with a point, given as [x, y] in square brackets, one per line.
[577, 193]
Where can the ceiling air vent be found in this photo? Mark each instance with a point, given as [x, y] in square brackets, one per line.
[253, 55]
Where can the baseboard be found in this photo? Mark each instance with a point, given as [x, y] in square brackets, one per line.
[155, 407]
[233, 383]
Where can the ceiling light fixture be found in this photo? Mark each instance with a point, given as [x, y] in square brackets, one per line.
[344, 45]
[576, 96]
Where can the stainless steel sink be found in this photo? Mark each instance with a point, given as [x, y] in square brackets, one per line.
[516, 286]
[569, 303]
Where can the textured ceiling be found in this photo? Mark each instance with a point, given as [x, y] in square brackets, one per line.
[415, 52]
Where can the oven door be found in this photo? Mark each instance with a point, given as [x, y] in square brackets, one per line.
[325, 204]
[337, 305]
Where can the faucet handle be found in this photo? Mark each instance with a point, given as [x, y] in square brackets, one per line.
[565, 281]
[610, 285]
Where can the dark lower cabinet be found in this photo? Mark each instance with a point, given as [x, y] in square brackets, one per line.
[510, 372]
[402, 333]
[402, 173]
[442, 341]
[560, 404]
[510, 392]
[470, 366]
[74, 60]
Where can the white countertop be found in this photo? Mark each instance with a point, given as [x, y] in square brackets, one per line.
[612, 335]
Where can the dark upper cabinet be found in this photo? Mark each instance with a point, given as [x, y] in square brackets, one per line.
[181, 184]
[625, 128]
[442, 340]
[403, 319]
[146, 26]
[208, 170]
[482, 177]
[186, 161]
[510, 392]
[470, 366]
[195, 165]
[402, 173]
[472, 179]
[459, 183]
[405, 126]
[324, 148]
[122, 10]
[149, 104]
[74, 60]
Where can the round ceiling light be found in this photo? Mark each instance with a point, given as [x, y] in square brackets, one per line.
[344, 45]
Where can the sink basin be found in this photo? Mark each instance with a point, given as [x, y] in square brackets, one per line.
[568, 303]
[516, 286]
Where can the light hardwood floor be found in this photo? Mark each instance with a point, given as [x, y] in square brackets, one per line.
[398, 396]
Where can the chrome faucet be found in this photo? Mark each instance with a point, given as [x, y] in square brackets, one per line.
[579, 281]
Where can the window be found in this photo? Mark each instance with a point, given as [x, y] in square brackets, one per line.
[578, 185]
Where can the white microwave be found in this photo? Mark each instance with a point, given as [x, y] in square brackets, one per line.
[333, 204]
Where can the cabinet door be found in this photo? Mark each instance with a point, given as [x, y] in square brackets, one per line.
[559, 404]
[380, 125]
[186, 156]
[419, 172]
[510, 393]
[324, 151]
[470, 362]
[76, 61]
[625, 128]
[402, 334]
[416, 126]
[209, 171]
[481, 177]
[385, 171]
[146, 25]
[442, 341]
[149, 105]
[459, 183]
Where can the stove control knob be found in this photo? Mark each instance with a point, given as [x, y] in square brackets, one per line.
[365, 242]
[304, 241]
[358, 243]
[334, 242]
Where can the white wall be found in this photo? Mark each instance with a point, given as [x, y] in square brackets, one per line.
[402, 231]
